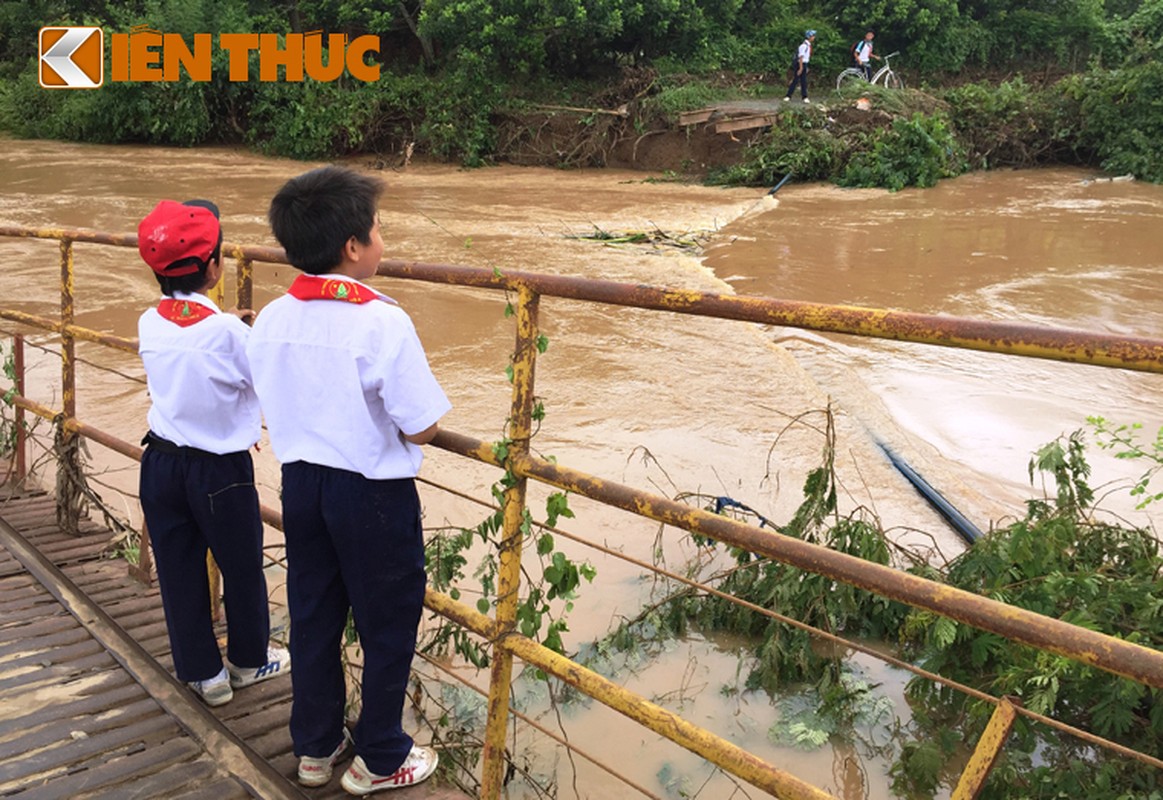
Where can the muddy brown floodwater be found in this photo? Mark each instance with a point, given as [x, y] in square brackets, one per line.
[668, 403]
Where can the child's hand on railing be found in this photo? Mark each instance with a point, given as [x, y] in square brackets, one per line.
[247, 315]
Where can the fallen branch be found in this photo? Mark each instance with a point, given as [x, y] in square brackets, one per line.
[621, 111]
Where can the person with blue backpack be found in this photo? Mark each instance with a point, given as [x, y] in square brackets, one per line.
[862, 54]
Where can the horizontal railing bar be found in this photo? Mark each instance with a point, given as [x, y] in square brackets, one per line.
[525, 718]
[718, 751]
[272, 255]
[1033, 341]
[1120, 657]
[269, 515]
[76, 331]
[485, 627]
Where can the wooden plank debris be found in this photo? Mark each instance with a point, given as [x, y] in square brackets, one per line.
[744, 123]
[696, 117]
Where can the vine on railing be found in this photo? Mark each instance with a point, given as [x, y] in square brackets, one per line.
[8, 427]
[560, 576]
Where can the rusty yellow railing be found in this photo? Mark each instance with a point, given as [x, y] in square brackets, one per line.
[1117, 656]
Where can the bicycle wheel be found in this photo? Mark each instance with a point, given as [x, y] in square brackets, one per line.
[893, 81]
[848, 77]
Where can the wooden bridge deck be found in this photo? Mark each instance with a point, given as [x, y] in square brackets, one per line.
[89, 707]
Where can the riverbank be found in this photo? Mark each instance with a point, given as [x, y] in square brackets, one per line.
[865, 136]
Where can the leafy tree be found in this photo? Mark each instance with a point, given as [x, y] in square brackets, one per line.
[1122, 117]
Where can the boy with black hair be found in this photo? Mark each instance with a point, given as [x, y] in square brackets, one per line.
[348, 398]
[197, 477]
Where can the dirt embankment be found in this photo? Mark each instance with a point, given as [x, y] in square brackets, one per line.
[616, 126]
[620, 127]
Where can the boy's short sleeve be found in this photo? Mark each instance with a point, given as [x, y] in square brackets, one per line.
[411, 394]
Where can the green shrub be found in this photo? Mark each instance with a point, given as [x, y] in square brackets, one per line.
[1122, 118]
[1059, 563]
[798, 143]
[153, 113]
[457, 123]
[310, 119]
[1012, 124]
[915, 151]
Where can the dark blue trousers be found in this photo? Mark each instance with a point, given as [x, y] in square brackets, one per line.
[801, 79]
[194, 501]
[352, 543]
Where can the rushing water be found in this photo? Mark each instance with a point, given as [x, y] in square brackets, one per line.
[664, 402]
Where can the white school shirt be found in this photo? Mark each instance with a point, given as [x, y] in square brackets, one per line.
[805, 51]
[340, 381]
[864, 51]
[199, 380]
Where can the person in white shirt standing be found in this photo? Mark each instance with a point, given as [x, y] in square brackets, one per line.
[800, 67]
[197, 477]
[862, 52]
[348, 398]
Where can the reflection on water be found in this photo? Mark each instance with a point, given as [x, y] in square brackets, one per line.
[664, 402]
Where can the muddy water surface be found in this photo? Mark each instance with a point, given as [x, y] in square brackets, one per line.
[667, 403]
[1049, 247]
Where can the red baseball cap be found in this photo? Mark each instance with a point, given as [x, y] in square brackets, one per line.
[173, 232]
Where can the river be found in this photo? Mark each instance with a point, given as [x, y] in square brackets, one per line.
[663, 402]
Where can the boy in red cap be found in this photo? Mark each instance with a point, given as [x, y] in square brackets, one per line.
[348, 398]
[197, 477]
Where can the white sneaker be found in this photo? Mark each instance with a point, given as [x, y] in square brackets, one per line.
[214, 691]
[278, 663]
[806, 100]
[786, 99]
[317, 771]
[417, 767]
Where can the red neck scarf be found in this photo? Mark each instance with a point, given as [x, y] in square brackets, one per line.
[183, 312]
[317, 287]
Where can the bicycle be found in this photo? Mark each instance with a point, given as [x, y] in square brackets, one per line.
[884, 76]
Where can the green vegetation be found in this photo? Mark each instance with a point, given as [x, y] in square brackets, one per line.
[471, 81]
[915, 151]
[1059, 560]
[8, 427]
[547, 599]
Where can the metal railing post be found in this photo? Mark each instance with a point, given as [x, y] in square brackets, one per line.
[68, 494]
[218, 293]
[987, 752]
[515, 525]
[21, 442]
[245, 288]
